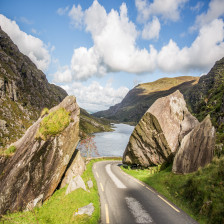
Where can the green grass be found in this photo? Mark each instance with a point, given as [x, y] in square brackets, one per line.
[53, 124]
[200, 194]
[60, 208]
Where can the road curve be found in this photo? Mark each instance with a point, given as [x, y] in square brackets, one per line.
[126, 200]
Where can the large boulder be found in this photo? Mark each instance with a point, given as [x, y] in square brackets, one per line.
[196, 149]
[76, 168]
[40, 161]
[157, 136]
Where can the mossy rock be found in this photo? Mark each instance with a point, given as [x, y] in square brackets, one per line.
[10, 150]
[53, 124]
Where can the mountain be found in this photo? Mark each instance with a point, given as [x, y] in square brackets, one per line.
[140, 98]
[24, 91]
[207, 97]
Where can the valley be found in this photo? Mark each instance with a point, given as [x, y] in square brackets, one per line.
[148, 152]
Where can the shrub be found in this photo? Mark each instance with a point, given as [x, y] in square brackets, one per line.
[54, 123]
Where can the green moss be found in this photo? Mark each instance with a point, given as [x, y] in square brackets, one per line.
[53, 124]
[10, 150]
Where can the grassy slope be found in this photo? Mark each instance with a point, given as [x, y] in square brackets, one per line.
[164, 84]
[199, 194]
[60, 208]
[90, 124]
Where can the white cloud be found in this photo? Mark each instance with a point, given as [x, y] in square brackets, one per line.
[114, 47]
[76, 14]
[204, 51]
[151, 30]
[62, 11]
[197, 7]
[215, 10]
[167, 9]
[95, 97]
[63, 75]
[85, 63]
[29, 45]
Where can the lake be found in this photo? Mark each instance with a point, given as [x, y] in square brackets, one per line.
[113, 143]
[109, 143]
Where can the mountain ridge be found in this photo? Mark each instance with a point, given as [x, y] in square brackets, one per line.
[140, 98]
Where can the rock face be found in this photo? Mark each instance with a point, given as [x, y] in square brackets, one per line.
[36, 169]
[147, 144]
[206, 97]
[24, 91]
[77, 167]
[158, 134]
[196, 148]
[173, 116]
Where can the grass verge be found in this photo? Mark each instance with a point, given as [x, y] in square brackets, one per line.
[200, 194]
[60, 208]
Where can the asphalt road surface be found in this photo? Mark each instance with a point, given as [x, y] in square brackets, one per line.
[126, 200]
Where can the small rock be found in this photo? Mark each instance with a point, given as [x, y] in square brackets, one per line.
[75, 183]
[88, 210]
[36, 202]
[90, 183]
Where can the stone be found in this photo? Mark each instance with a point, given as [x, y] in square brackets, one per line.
[196, 149]
[90, 184]
[38, 165]
[174, 118]
[77, 167]
[88, 210]
[75, 183]
[36, 202]
[157, 136]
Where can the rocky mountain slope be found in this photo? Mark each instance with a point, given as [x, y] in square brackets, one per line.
[24, 91]
[140, 98]
[207, 97]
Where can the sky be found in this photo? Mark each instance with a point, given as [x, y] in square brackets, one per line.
[98, 50]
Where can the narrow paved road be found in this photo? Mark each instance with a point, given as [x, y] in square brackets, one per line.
[125, 200]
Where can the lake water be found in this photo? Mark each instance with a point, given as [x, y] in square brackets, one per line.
[113, 143]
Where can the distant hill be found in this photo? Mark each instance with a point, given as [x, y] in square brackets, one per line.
[89, 124]
[140, 98]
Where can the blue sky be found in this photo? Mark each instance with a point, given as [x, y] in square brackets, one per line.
[98, 50]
